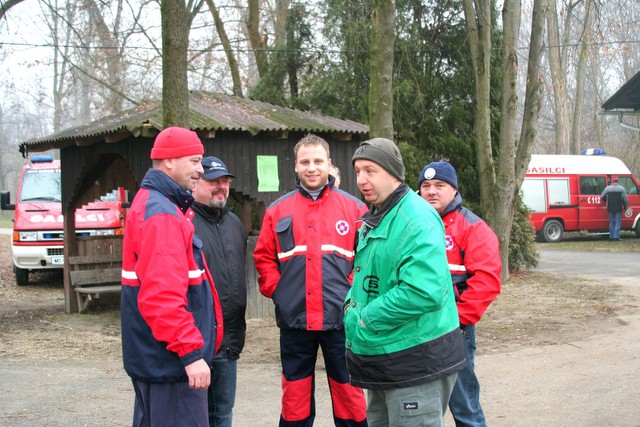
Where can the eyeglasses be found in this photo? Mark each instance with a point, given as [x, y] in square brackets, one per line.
[223, 180]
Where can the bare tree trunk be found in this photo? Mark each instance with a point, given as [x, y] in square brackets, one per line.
[61, 35]
[500, 206]
[383, 35]
[477, 15]
[228, 50]
[576, 125]
[557, 66]
[113, 71]
[532, 101]
[258, 44]
[175, 44]
[513, 155]
[280, 22]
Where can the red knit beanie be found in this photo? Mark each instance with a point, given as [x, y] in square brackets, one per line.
[174, 142]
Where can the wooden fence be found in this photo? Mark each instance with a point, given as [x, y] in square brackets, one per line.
[258, 306]
[98, 253]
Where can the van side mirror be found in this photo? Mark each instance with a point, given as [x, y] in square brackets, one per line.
[5, 201]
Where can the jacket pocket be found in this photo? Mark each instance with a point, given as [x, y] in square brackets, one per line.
[284, 230]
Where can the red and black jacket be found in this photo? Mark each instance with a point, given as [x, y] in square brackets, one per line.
[304, 256]
[170, 311]
[473, 252]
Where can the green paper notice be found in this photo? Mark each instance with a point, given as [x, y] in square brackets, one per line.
[268, 173]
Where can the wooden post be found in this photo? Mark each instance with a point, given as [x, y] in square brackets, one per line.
[70, 249]
[246, 214]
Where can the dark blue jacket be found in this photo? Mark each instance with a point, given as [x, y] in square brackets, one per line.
[170, 312]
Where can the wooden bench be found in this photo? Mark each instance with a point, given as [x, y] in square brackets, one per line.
[90, 283]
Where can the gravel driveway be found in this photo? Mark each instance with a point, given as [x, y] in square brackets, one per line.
[591, 381]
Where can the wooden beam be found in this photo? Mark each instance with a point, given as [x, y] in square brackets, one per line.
[280, 134]
[70, 250]
[246, 214]
[85, 142]
[208, 134]
[342, 136]
[117, 137]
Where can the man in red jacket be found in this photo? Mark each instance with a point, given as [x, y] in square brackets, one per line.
[473, 253]
[304, 256]
[170, 311]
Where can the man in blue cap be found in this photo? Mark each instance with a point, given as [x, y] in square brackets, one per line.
[473, 253]
[224, 245]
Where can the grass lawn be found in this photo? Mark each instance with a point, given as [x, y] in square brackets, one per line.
[595, 242]
[6, 219]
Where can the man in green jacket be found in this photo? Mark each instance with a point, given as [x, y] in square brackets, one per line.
[403, 338]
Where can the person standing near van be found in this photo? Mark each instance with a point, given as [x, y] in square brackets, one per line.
[615, 196]
[473, 252]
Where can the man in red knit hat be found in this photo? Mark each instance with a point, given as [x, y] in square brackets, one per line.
[170, 311]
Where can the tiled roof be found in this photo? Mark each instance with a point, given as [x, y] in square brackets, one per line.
[209, 112]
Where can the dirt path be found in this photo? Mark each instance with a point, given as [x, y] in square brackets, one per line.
[590, 382]
[553, 351]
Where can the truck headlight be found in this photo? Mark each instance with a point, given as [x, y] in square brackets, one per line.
[28, 236]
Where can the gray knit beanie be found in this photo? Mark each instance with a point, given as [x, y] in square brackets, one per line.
[383, 152]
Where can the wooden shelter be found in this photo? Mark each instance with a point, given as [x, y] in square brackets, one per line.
[625, 102]
[254, 139]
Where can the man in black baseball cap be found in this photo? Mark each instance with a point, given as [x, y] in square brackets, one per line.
[224, 243]
[214, 168]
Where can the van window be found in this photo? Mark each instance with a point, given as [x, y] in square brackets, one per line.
[41, 186]
[533, 194]
[558, 191]
[592, 185]
[628, 184]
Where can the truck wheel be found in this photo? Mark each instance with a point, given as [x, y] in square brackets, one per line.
[22, 276]
[552, 231]
[638, 230]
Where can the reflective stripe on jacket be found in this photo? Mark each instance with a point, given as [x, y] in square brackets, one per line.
[304, 256]
[473, 252]
[169, 308]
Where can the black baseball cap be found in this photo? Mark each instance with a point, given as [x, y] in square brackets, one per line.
[214, 168]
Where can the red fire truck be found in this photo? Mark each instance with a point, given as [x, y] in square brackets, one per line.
[38, 221]
[563, 194]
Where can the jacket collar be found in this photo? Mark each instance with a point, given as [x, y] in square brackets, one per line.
[455, 205]
[374, 216]
[304, 192]
[211, 214]
[162, 183]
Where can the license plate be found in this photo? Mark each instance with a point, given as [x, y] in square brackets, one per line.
[57, 260]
